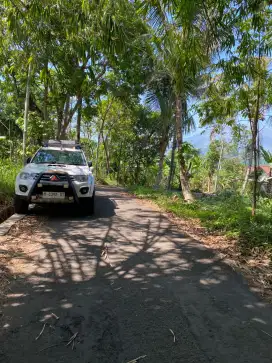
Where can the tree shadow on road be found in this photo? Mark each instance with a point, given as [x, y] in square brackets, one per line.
[104, 208]
[126, 280]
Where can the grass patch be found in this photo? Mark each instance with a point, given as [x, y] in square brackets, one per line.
[106, 181]
[229, 214]
[8, 173]
[110, 181]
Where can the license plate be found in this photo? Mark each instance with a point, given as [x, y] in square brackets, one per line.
[53, 195]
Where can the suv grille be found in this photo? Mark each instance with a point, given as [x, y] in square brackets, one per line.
[47, 176]
[61, 177]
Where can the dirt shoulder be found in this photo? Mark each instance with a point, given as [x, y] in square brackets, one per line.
[13, 247]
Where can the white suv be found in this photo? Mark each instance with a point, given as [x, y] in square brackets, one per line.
[58, 173]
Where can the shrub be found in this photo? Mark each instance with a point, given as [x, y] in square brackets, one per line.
[8, 172]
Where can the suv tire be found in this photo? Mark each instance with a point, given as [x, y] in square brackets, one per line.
[87, 205]
[20, 205]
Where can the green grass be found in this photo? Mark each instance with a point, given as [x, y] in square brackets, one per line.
[110, 181]
[8, 172]
[229, 214]
[106, 181]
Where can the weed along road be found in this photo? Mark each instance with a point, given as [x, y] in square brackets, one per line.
[125, 286]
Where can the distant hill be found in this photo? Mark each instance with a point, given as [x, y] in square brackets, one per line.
[201, 140]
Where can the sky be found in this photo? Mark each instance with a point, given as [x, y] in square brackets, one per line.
[201, 139]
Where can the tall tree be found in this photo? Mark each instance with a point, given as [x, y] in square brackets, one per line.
[184, 53]
[160, 97]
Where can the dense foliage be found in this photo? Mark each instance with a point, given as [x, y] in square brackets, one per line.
[127, 78]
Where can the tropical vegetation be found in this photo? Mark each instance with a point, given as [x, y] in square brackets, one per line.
[131, 80]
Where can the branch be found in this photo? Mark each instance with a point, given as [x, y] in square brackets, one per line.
[100, 75]
[14, 80]
[105, 115]
[73, 110]
[4, 125]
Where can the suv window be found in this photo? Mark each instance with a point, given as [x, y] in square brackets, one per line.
[59, 157]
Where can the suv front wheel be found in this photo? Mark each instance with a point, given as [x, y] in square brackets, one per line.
[20, 205]
[87, 205]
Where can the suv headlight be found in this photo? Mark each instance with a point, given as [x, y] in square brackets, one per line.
[81, 178]
[26, 176]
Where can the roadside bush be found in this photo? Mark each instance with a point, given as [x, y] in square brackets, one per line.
[8, 172]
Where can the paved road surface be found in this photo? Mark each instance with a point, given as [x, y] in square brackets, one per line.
[155, 279]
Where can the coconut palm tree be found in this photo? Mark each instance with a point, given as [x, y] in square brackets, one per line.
[160, 98]
[183, 51]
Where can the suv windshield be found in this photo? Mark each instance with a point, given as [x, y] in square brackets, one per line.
[59, 157]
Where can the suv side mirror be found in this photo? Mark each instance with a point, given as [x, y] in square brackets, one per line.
[28, 160]
[90, 164]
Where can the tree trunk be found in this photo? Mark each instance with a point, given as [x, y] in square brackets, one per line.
[246, 180]
[26, 111]
[106, 153]
[119, 164]
[124, 177]
[255, 166]
[172, 163]
[45, 100]
[79, 114]
[60, 118]
[101, 133]
[68, 115]
[255, 129]
[159, 176]
[209, 184]
[247, 172]
[219, 164]
[10, 142]
[163, 146]
[65, 118]
[137, 173]
[188, 196]
[97, 154]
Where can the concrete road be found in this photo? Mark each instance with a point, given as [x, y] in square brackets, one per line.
[130, 285]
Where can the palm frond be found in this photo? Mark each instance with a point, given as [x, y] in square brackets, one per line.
[188, 122]
[158, 13]
[152, 100]
[267, 155]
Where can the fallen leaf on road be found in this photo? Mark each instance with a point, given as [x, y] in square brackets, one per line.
[72, 339]
[174, 337]
[41, 332]
[137, 359]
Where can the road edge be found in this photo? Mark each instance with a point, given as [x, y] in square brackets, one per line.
[8, 223]
[247, 274]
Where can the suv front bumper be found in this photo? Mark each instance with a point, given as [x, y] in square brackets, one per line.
[63, 190]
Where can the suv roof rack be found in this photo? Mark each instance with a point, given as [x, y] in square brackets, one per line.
[71, 144]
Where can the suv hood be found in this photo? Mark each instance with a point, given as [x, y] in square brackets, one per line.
[70, 169]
